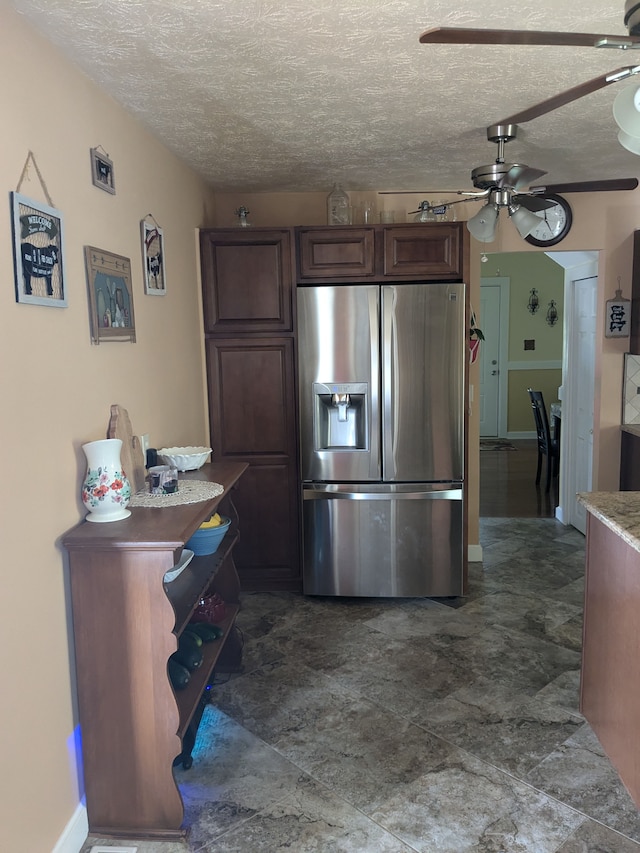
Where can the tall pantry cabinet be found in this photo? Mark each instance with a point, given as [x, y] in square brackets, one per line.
[248, 279]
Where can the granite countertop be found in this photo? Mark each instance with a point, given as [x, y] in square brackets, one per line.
[620, 511]
[634, 429]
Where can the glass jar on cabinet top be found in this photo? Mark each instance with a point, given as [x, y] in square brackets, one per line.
[338, 206]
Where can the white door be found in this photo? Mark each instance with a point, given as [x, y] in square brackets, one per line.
[491, 297]
[579, 438]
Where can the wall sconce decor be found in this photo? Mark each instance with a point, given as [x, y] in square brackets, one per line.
[534, 303]
[552, 313]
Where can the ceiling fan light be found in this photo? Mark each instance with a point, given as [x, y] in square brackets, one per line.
[483, 224]
[626, 110]
[523, 219]
[631, 143]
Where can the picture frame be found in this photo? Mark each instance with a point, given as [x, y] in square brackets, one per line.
[110, 296]
[38, 252]
[153, 258]
[102, 174]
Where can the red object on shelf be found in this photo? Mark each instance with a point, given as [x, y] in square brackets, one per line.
[211, 608]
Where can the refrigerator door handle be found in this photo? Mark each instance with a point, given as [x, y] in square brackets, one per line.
[389, 343]
[442, 494]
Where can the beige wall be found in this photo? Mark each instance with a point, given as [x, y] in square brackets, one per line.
[57, 389]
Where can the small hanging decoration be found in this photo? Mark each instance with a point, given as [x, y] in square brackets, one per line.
[38, 248]
[552, 313]
[534, 303]
[153, 257]
[618, 316]
[475, 336]
[102, 175]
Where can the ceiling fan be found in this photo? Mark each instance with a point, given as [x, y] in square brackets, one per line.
[540, 215]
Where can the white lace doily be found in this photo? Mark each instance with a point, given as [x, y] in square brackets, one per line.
[189, 492]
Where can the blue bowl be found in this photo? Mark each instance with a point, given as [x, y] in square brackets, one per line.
[207, 540]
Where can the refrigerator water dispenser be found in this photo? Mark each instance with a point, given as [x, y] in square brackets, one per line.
[340, 416]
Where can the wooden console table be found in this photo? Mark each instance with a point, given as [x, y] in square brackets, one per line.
[126, 624]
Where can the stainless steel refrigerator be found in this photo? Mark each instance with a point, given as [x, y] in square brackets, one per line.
[381, 372]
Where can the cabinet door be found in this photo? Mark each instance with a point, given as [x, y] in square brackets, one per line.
[267, 555]
[253, 419]
[428, 251]
[247, 280]
[336, 252]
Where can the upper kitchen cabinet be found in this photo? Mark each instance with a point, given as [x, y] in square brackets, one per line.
[424, 251]
[336, 252]
[411, 252]
[249, 277]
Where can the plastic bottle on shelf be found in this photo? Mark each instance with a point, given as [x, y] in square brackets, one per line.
[337, 206]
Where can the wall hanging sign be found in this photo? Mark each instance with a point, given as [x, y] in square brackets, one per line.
[110, 296]
[618, 316]
[153, 257]
[38, 252]
[102, 170]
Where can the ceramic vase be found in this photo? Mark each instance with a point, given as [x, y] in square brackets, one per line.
[106, 491]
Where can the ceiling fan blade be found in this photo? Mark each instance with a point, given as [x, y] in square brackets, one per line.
[532, 202]
[471, 194]
[613, 185]
[570, 95]
[462, 35]
[519, 177]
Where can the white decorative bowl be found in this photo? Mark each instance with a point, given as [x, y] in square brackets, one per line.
[184, 458]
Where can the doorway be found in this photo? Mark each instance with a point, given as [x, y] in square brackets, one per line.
[509, 475]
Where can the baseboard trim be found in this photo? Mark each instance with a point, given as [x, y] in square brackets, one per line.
[75, 833]
[475, 553]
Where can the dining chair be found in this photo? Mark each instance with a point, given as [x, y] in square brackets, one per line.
[547, 446]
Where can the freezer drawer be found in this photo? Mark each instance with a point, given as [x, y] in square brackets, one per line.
[363, 541]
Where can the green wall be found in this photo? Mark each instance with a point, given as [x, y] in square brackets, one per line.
[530, 368]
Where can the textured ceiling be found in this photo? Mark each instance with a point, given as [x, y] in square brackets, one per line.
[291, 95]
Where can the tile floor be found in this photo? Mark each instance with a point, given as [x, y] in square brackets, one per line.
[368, 726]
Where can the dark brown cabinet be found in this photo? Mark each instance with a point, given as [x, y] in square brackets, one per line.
[412, 252]
[336, 252]
[249, 312]
[248, 278]
[427, 251]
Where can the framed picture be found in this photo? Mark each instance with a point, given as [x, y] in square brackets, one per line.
[110, 296]
[38, 253]
[102, 171]
[153, 258]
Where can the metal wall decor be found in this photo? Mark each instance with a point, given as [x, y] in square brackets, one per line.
[110, 296]
[552, 313]
[102, 170]
[38, 252]
[534, 302]
[153, 257]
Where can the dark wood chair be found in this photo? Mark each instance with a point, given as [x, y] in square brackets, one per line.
[547, 446]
